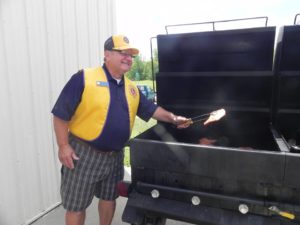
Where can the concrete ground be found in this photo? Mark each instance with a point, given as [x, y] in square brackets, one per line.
[56, 216]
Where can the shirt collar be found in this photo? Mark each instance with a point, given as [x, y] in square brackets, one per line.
[109, 76]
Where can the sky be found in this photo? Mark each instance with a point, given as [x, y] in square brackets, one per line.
[140, 20]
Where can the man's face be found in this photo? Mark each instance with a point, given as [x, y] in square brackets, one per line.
[118, 62]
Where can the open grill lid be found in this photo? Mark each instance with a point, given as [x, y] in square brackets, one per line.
[212, 51]
[218, 69]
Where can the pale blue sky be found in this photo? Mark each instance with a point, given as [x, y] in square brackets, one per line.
[142, 19]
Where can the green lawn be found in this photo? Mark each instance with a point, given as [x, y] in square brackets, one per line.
[139, 125]
[145, 82]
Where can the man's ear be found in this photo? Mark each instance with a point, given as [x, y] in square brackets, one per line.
[106, 53]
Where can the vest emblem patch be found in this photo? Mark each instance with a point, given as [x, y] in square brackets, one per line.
[132, 91]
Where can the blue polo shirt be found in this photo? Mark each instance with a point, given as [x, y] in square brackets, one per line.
[116, 129]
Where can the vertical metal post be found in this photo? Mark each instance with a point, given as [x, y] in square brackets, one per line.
[152, 64]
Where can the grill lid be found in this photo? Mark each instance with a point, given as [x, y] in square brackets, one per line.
[218, 69]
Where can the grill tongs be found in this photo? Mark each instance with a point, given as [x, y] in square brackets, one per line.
[208, 117]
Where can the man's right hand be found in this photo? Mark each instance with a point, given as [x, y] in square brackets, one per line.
[66, 156]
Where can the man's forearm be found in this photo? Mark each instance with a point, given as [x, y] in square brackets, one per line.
[163, 115]
[61, 131]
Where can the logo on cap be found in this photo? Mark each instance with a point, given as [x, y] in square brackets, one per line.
[125, 39]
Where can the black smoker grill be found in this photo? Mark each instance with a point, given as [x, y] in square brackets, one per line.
[252, 175]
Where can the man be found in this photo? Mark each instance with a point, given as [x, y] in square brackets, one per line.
[93, 118]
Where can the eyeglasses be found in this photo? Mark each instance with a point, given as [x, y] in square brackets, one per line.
[123, 53]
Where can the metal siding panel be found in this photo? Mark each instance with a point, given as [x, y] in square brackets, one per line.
[43, 155]
[39, 51]
[20, 102]
[8, 188]
[24, 115]
[19, 98]
[34, 184]
[94, 32]
[82, 33]
[106, 22]
[54, 38]
[102, 31]
[70, 38]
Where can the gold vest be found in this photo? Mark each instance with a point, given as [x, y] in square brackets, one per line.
[91, 114]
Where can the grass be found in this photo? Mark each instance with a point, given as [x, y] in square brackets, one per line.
[145, 82]
[139, 126]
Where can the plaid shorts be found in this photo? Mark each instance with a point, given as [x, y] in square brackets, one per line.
[95, 174]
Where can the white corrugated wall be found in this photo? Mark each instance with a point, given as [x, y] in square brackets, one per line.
[42, 43]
